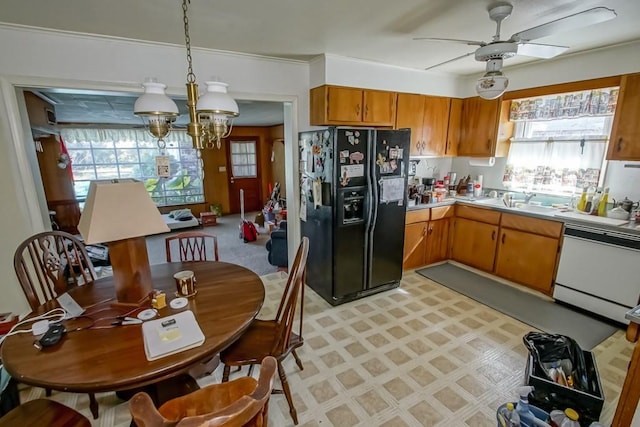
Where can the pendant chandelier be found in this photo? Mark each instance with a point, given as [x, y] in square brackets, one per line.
[210, 115]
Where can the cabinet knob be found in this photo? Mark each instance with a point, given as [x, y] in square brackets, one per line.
[488, 144]
[503, 235]
[619, 145]
[424, 230]
[366, 111]
[493, 235]
[358, 110]
[430, 230]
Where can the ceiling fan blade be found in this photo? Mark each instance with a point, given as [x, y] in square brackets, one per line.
[438, 39]
[577, 20]
[544, 51]
[451, 60]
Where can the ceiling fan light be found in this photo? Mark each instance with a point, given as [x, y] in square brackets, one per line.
[217, 101]
[491, 86]
[154, 101]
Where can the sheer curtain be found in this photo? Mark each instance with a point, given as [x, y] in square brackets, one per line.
[554, 166]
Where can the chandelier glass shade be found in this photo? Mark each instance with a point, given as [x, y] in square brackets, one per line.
[157, 110]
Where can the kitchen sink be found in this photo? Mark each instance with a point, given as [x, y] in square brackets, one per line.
[517, 204]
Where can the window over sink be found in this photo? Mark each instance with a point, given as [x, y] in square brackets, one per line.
[560, 141]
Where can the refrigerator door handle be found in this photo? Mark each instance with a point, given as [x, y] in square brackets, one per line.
[372, 215]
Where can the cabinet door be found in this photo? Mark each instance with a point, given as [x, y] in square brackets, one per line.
[454, 130]
[474, 243]
[344, 104]
[527, 258]
[436, 122]
[437, 241]
[480, 119]
[625, 134]
[379, 107]
[410, 114]
[415, 236]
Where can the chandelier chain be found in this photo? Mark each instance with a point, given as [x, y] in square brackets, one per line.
[191, 77]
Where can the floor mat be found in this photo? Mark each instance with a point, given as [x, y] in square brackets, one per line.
[544, 315]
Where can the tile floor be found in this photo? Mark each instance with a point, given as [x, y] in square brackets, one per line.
[419, 355]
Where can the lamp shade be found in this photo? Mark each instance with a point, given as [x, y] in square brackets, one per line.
[216, 100]
[154, 101]
[117, 210]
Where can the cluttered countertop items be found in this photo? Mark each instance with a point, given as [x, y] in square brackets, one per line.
[593, 207]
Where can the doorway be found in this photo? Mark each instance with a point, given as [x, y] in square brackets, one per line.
[244, 173]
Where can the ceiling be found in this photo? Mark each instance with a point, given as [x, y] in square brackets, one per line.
[78, 107]
[373, 30]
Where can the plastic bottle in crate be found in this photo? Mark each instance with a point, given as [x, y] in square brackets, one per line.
[508, 416]
[571, 419]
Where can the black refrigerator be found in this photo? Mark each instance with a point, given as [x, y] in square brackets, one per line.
[353, 203]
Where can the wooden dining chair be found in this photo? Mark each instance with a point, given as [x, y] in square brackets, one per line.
[242, 402]
[48, 264]
[275, 337]
[43, 412]
[192, 246]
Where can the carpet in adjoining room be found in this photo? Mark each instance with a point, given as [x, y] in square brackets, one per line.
[535, 311]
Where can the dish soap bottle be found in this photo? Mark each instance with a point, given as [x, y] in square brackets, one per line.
[583, 200]
[602, 207]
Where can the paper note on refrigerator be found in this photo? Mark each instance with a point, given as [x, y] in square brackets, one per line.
[391, 189]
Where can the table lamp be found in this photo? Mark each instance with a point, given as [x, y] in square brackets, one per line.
[121, 213]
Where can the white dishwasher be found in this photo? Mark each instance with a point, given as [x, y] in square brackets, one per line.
[599, 271]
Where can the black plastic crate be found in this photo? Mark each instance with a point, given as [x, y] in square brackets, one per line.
[548, 395]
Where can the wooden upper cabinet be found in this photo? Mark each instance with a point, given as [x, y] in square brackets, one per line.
[429, 119]
[625, 133]
[336, 105]
[410, 114]
[485, 128]
[344, 104]
[379, 107]
[436, 123]
[454, 130]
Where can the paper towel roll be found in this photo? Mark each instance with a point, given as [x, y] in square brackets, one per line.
[482, 161]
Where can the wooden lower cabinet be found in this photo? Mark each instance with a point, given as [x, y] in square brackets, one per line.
[474, 243]
[527, 258]
[528, 251]
[437, 245]
[425, 243]
[415, 245]
[426, 237]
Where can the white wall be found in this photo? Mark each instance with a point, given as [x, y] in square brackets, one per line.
[53, 59]
[353, 72]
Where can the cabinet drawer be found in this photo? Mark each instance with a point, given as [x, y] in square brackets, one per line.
[442, 212]
[542, 227]
[488, 216]
[417, 215]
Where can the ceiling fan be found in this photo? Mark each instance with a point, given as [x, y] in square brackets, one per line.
[494, 83]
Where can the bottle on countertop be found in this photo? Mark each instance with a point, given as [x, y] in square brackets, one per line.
[583, 200]
[595, 204]
[604, 201]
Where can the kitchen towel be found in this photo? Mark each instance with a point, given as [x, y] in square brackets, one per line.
[535, 311]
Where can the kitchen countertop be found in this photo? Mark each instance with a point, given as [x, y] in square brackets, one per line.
[536, 211]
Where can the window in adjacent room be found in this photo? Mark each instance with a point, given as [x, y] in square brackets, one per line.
[130, 153]
[560, 141]
[244, 159]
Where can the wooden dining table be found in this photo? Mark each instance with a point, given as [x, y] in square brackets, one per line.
[95, 356]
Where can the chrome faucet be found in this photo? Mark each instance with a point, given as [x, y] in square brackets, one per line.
[528, 196]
